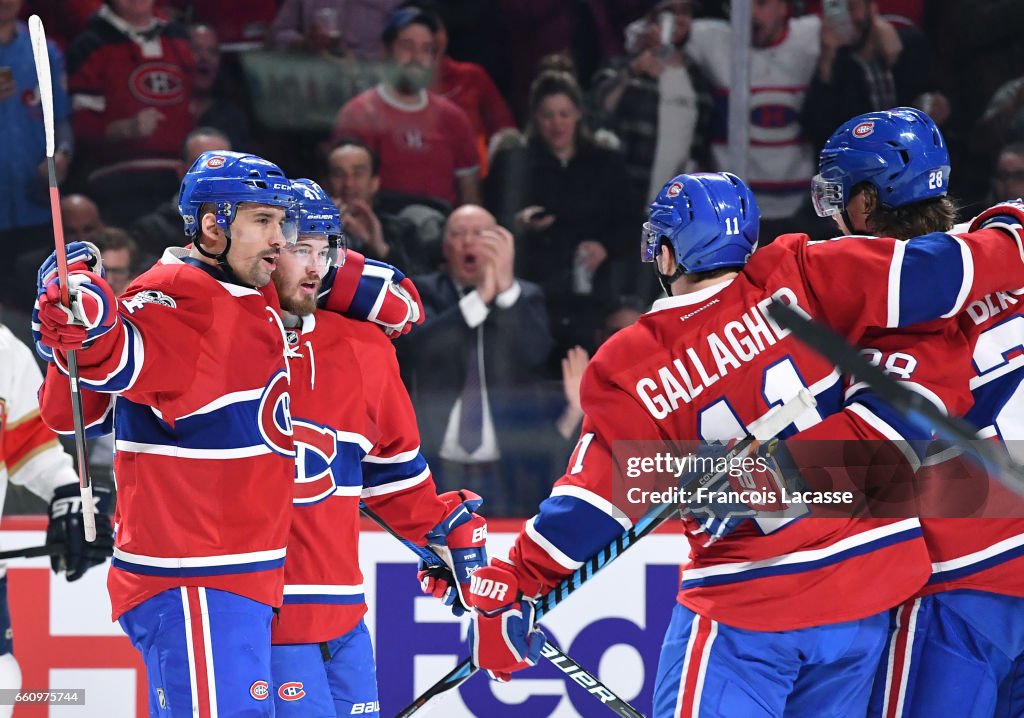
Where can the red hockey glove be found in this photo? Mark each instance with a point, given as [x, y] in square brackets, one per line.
[1006, 215]
[502, 636]
[372, 291]
[460, 542]
[93, 312]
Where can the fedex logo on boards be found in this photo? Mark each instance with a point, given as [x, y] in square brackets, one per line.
[621, 637]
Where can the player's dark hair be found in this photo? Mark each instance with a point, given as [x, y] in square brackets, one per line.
[936, 214]
[356, 142]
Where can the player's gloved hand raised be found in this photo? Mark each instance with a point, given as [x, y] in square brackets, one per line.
[1006, 215]
[81, 256]
[502, 636]
[745, 487]
[66, 528]
[460, 542]
[93, 312]
[372, 291]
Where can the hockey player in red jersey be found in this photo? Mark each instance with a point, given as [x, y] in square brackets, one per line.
[195, 353]
[954, 643]
[356, 440]
[757, 630]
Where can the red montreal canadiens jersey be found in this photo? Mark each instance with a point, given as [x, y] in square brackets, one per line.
[355, 438]
[204, 456]
[113, 75]
[985, 554]
[709, 364]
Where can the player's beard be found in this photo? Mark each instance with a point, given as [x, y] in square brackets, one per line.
[298, 303]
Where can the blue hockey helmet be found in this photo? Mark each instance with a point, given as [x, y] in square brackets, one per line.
[317, 215]
[710, 219]
[900, 151]
[227, 179]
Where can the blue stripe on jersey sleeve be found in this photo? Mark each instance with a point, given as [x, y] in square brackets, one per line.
[125, 377]
[930, 279]
[918, 436]
[576, 528]
[375, 474]
[229, 427]
[367, 291]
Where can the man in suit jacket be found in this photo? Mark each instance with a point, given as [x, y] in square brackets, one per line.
[475, 367]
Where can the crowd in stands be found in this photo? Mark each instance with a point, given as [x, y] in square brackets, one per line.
[501, 152]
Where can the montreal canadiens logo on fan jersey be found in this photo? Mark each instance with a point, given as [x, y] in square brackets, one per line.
[275, 419]
[157, 83]
[260, 690]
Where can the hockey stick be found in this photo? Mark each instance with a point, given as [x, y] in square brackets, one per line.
[848, 359]
[42, 61]
[566, 664]
[49, 549]
[767, 429]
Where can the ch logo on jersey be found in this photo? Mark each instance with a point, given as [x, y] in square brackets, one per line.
[275, 418]
[863, 129]
[316, 448]
[157, 83]
[674, 189]
[291, 691]
[259, 690]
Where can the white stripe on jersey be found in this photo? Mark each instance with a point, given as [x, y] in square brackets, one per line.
[598, 502]
[396, 459]
[984, 554]
[895, 273]
[881, 426]
[549, 548]
[241, 452]
[395, 486]
[967, 260]
[229, 559]
[351, 437]
[303, 589]
[220, 402]
[798, 557]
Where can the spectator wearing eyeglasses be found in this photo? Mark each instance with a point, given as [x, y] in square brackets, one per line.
[1008, 179]
[118, 251]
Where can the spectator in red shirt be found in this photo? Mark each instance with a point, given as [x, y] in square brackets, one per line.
[470, 87]
[130, 76]
[424, 141]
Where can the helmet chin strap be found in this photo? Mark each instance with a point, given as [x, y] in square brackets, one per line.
[667, 280]
[222, 258]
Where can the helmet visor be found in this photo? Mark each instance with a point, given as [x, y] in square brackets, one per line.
[827, 196]
[290, 229]
[649, 242]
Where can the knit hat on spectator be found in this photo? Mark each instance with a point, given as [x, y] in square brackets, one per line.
[402, 18]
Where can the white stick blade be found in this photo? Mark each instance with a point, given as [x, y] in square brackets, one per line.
[42, 60]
